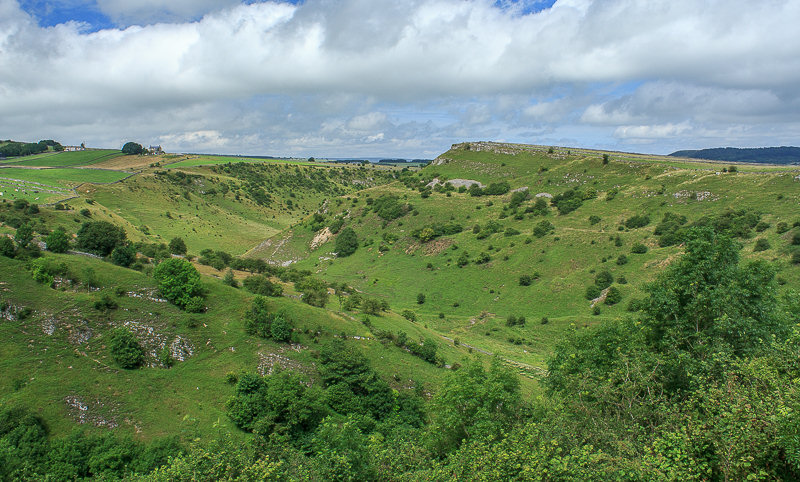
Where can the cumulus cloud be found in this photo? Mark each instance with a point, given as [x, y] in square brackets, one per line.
[154, 11]
[370, 70]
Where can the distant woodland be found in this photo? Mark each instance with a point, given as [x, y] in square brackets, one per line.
[765, 155]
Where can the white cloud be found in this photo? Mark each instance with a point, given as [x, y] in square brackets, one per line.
[652, 131]
[128, 12]
[353, 68]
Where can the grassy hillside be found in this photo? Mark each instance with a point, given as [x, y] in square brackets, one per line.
[477, 299]
[511, 269]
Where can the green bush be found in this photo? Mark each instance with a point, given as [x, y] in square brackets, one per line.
[100, 237]
[543, 228]
[638, 248]
[603, 279]
[7, 247]
[346, 242]
[280, 329]
[123, 255]
[409, 315]
[622, 259]
[177, 246]
[57, 241]
[637, 221]
[179, 282]
[592, 292]
[761, 245]
[24, 235]
[613, 296]
[261, 285]
[125, 350]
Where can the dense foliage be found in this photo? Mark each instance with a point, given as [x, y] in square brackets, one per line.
[179, 282]
[133, 148]
[100, 237]
[346, 242]
[125, 349]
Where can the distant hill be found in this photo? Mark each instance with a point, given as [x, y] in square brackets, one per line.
[766, 155]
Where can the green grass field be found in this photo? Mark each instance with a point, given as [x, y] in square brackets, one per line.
[62, 177]
[66, 159]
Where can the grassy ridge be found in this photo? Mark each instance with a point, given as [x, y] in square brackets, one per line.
[477, 298]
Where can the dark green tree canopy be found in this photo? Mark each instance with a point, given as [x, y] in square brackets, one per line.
[125, 349]
[346, 242]
[177, 246]
[132, 148]
[100, 237]
[57, 241]
[179, 282]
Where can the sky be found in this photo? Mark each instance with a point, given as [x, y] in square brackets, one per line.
[400, 78]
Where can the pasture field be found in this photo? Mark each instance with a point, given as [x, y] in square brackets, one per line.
[66, 159]
[476, 299]
[63, 177]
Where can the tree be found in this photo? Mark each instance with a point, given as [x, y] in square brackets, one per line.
[258, 319]
[123, 255]
[315, 291]
[179, 282]
[177, 246]
[707, 303]
[125, 350]
[57, 241]
[261, 285]
[132, 148]
[24, 235]
[420, 298]
[346, 242]
[474, 403]
[100, 237]
[281, 328]
[7, 247]
[229, 279]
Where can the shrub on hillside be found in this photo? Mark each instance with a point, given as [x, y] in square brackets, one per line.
[125, 350]
[543, 228]
[613, 296]
[637, 221]
[761, 245]
[638, 248]
[123, 255]
[315, 291]
[346, 242]
[100, 237]
[177, 246]
[57, 241]
[179, 282]
[261, 285]
[7, 247]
